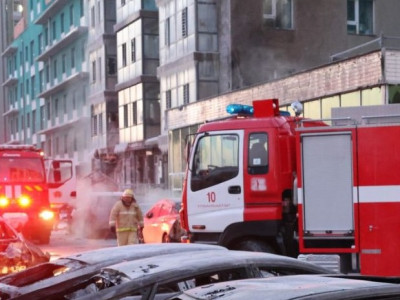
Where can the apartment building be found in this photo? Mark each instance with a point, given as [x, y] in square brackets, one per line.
[288, 49]
[10, 14]
[142, 161]
[103, 99]
[47, 80]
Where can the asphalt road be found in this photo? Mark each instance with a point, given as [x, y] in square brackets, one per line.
[63, 243]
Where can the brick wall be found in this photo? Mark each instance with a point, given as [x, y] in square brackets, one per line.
[352, 74]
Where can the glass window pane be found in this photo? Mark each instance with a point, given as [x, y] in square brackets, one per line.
[350, 99]
[327, 104]
[371, 96]
[312, 109]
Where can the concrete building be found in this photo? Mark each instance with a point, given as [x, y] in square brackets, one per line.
[287, 49]
[47, 81]
[142, 163]
[10, 15]
[102, 60]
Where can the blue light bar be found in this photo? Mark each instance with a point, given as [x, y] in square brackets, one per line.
[284, 113]
[239, 109]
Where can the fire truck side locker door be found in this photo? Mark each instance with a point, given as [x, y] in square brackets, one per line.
[327, 183]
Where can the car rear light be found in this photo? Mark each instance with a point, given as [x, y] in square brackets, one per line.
[46, 215]
[24, 201]
[4, 201]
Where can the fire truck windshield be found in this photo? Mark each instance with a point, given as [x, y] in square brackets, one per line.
[30, 170]
[216, 159]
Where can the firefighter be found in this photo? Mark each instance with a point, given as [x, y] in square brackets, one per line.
[126, 219]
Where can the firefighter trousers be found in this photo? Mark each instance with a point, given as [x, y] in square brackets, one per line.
[127, 238]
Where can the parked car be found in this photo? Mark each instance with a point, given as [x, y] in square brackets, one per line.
[40, 281]
[161, 276]
[310, 287]
[17, 253]
[162, 223]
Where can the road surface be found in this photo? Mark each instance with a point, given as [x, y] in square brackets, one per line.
[63, 243]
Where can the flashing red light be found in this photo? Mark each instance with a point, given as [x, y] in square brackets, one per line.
[4, 201]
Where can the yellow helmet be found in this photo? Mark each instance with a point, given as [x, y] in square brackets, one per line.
[128, 193]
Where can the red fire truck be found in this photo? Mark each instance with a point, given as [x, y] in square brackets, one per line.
[24, 189]
[277, 183]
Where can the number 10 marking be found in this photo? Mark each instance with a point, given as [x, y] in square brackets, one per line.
[211, 197]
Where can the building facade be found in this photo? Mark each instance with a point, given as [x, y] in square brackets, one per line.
[141, 161]
[102, 60]
[46, 89]
[317, 52]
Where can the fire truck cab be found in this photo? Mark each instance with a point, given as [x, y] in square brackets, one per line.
[24, 189]
[277, 183]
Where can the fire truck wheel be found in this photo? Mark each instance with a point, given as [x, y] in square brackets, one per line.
[255, 245]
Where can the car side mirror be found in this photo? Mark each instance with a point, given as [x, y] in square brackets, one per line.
[149, 215]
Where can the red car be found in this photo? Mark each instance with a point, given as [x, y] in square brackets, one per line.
[162, 223]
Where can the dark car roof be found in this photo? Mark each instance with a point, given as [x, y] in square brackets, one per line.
[167, 268]
[87, 263]
[293, 287]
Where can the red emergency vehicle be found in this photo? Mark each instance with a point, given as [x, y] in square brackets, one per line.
[24, 189]
[271, 182]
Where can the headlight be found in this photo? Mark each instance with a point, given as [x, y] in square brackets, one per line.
[24, 201]
[46, 215]
[4, 201]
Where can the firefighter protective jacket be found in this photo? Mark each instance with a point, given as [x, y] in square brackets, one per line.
[126, 218]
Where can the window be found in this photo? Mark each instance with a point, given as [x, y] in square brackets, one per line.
[40, 43]
[65, 103]
[71, 15]
[82, 7]
[98, 12]
[216, 159]
[33, 121]
[168, 99]
[184, 22]
[99, 64]
[56, 107]
[186, 94]
[28, 120]
[54, 69]
[94, 125]
[134, 113]
[133, 50]
[42, 117]
[63, 63]
[65, 143]
[94, 71]
[360, 16]
[278, 13]
[62, 22]
[32, 46]
[72, 57]
[126, 116]
[54, 30]
[167, 32]
[111, 70]
[48, 110]
[93, 21]
[258, 153]
[101, 123]
[47, 73]
[124, 55]
[33, 87]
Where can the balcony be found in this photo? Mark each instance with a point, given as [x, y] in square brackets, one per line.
[10, 82]
[77, 77]
[75, 123]
[11, 112]
[64, 42]
[50, 12]
[10, 50]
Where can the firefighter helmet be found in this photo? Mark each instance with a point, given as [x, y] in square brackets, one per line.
[127, 193]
